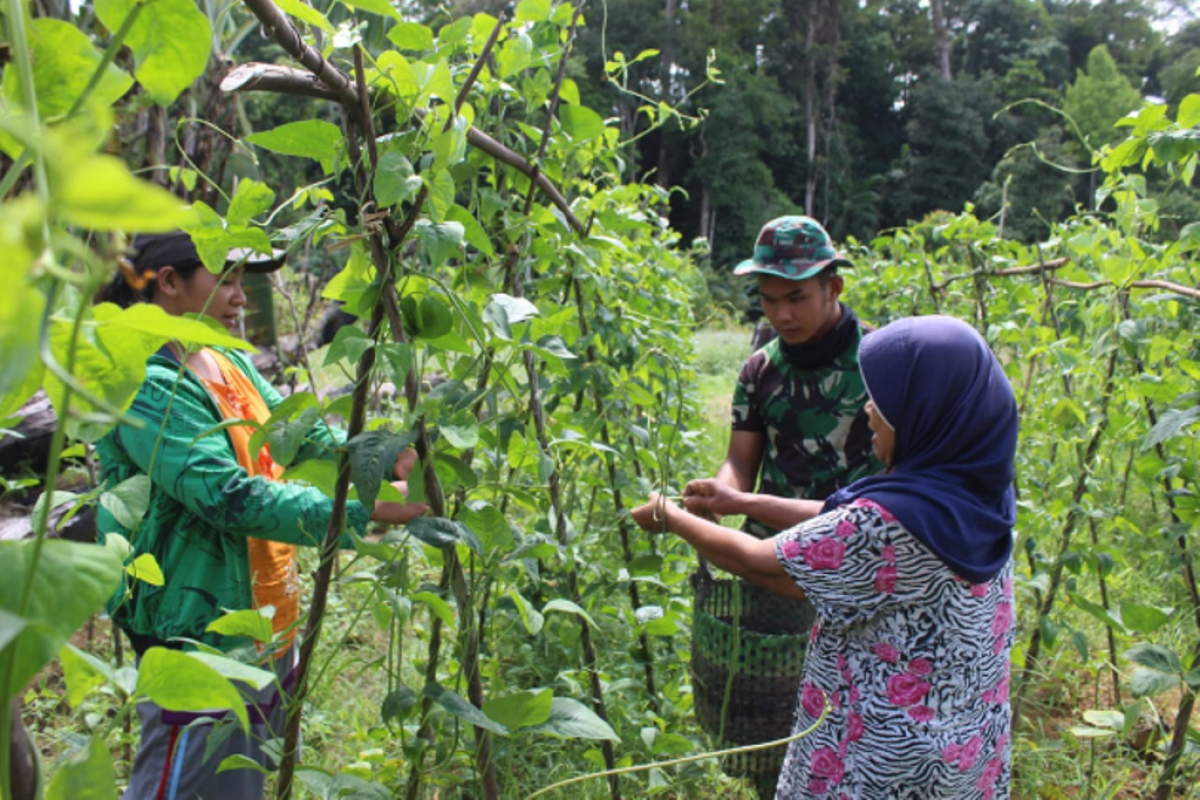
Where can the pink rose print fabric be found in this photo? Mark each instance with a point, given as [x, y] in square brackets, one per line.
[912, 660]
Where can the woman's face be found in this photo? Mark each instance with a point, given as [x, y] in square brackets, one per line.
[883, 437]
[191, 295]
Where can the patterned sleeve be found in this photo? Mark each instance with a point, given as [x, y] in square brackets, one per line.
[851, 562]
[201, 471]
[745, 410]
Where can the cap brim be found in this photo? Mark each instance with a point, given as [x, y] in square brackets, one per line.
[254, 261]
[788, 271]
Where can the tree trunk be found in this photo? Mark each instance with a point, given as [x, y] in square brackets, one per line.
[810, 115]
[662, 175]
[833, 38]
[937, 11]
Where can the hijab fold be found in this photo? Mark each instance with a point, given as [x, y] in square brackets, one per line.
[937, 383]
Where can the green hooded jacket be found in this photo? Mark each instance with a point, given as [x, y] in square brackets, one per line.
[203, 506]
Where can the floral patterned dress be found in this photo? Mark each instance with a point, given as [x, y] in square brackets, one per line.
[912, 659]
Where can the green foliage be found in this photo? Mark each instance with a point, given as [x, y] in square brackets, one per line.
[37, 616]
[557, 366]
[1098, 98]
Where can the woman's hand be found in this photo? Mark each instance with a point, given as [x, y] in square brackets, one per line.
[392, 513]
[712, 499]
[655, 515]
[405, 463]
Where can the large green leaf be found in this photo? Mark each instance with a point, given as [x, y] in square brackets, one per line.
[178, 682]
[90, 571]
[1150, 682]
[473, 232]
[101, 194]
[570, 719]
[381, 7]
[65, 61]
[489, 525]
[441, 532]
[320, 473]
[170, 40]
[411, 36]
[520, 710]
[395, 181]
[441, 194]
[515, 54]
[504, 311]
[1142, 618]
[235, 670]
[348, 343]
[1171, 424]
[398, 703]
[86, 774]
[128, 501]
[533, 10]
[1155, 657]
[110, 356]
[439, 242]
[312, 138]
[151, 320]
[251, 199]
[397, 360]
[21, 309]
[10, 626]
[249, 622]
[580, 122]
[457, 705]
[337, 787]
[372, 456]
[301, 10]
[82, 672]
[568, 607]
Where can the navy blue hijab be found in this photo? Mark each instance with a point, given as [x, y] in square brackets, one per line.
[937, 383]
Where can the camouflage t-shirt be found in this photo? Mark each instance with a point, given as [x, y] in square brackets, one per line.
[816, 434]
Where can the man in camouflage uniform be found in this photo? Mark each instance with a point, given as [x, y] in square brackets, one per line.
[799, 426]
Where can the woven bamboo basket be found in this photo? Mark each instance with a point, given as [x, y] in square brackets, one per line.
[748, 649]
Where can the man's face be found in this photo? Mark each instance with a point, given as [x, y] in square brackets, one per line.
[801, 311]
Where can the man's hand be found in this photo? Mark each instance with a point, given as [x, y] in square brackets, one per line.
[655, 515]
[392, 513]
[712, 499]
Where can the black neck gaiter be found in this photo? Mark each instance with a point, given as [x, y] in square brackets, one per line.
[814, 355]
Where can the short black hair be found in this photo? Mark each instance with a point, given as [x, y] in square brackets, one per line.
[826, 275]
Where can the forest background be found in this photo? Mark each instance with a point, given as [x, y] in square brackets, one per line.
[531, 208]
[865, 115]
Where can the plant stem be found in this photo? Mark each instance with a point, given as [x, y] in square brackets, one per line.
[1081, 487]
[40, 523]
[329, 551]
[618, 504]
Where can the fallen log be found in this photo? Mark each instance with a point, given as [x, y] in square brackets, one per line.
[29, 445]
[79, 528]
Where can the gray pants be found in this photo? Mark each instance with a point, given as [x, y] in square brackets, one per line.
[171, 763]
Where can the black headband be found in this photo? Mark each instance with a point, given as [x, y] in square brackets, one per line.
[154, 251]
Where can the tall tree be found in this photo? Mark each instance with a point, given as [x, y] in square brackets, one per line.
[941, 39]
[949, 146]
[1123, 25]
[1099, 97]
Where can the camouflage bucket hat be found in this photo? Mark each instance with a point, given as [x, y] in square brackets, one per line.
[791, 247]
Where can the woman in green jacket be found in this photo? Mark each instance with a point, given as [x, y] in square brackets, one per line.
[222, 527]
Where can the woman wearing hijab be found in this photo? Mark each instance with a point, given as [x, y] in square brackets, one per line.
[911, 576]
